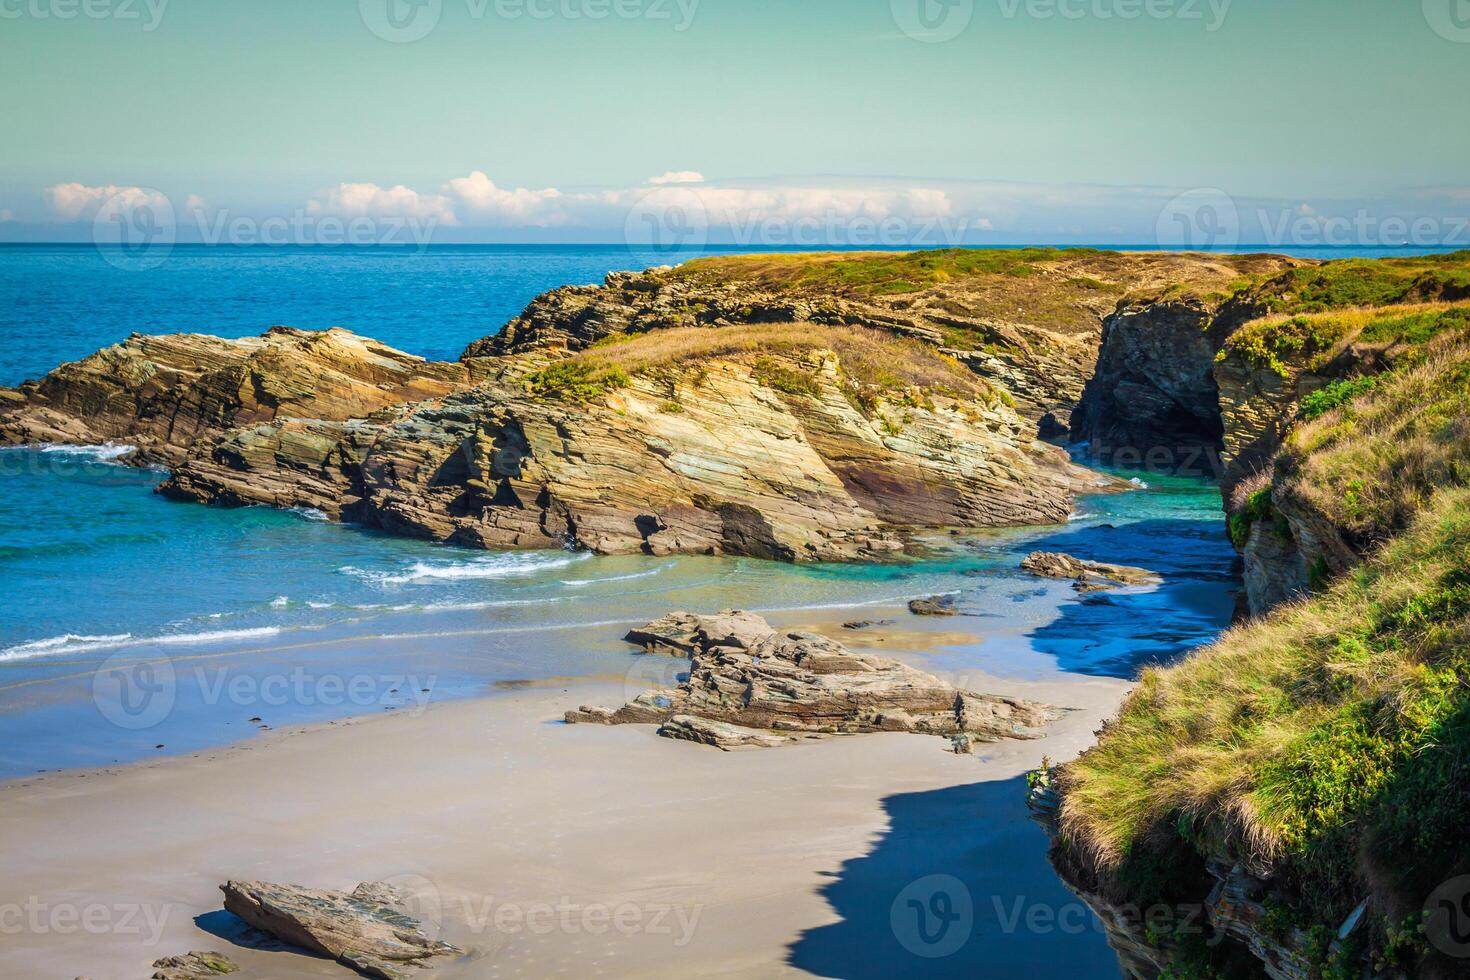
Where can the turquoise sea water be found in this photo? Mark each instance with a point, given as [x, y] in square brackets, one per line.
[101, 575]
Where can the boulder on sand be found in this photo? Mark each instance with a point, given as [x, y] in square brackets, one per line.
[935, 605]
[364, 929]
[194, 966]
[800, 684]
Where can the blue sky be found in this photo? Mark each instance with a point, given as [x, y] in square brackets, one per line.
[545, 120]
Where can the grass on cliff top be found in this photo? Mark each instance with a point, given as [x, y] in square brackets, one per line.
[1283, 343]
[1370, 464]
[1329, 739]
[873, 362]
[1365, 282]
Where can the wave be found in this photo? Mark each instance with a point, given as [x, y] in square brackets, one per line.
[579, 582]
[104, 453]
[70, 643]
[310, 514]
[491, 566]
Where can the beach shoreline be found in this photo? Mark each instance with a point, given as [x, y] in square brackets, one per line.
[496, 816]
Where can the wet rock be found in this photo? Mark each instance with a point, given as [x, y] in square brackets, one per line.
[364, 929]
[939, 605]
[1087, 576]
[193, 966]
[792, 683]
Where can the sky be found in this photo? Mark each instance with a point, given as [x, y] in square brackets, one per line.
[767, 121]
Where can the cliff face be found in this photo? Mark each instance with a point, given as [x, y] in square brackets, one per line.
[755, 453]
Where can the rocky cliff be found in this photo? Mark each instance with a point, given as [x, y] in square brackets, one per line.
[1288, 801]
[788, 407]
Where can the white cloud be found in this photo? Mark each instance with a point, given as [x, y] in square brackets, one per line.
[194, 203]
[368, 200]
[521, 206]
[73, 200]
[678, 177]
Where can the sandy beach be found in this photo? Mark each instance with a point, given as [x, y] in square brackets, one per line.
[547, 849]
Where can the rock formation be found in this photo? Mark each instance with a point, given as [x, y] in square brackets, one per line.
[779, 685]
[166, 394]
[365, 929]
[1087, 576]
[937, 605]
[194, 966]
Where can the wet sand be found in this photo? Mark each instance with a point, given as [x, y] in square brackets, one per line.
[547, 849]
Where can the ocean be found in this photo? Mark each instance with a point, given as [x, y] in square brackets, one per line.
[102, 575]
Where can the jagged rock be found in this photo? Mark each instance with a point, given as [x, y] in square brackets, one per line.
[1087, 576]
[193, 966]
[165, 394]
[718, 733]
[793, 683]
[357, 929]
[939, 605]
[681, 633]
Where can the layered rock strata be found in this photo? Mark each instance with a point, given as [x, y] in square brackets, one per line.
[775, 685]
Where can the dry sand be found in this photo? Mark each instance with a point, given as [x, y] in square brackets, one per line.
[555, 850]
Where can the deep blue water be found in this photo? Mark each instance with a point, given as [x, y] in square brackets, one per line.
[98, 572]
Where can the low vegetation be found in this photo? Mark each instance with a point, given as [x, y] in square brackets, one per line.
[1310, 341]
[1364, 283]
[1329, 740]
[1369, 464]
[874, 365]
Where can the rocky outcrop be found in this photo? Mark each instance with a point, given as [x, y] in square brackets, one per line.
[1087, 576]
[936, 605]
[166, 394]
[194, 966]
[1152, 402]
[800, 684]
[680, 634]
[705, 457]
[365, 929]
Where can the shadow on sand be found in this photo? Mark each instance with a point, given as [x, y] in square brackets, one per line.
[958, 886]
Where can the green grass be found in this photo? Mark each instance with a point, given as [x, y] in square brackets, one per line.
[1335, 395]
[577, 380]
[1364, 282]
[1307, 341]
